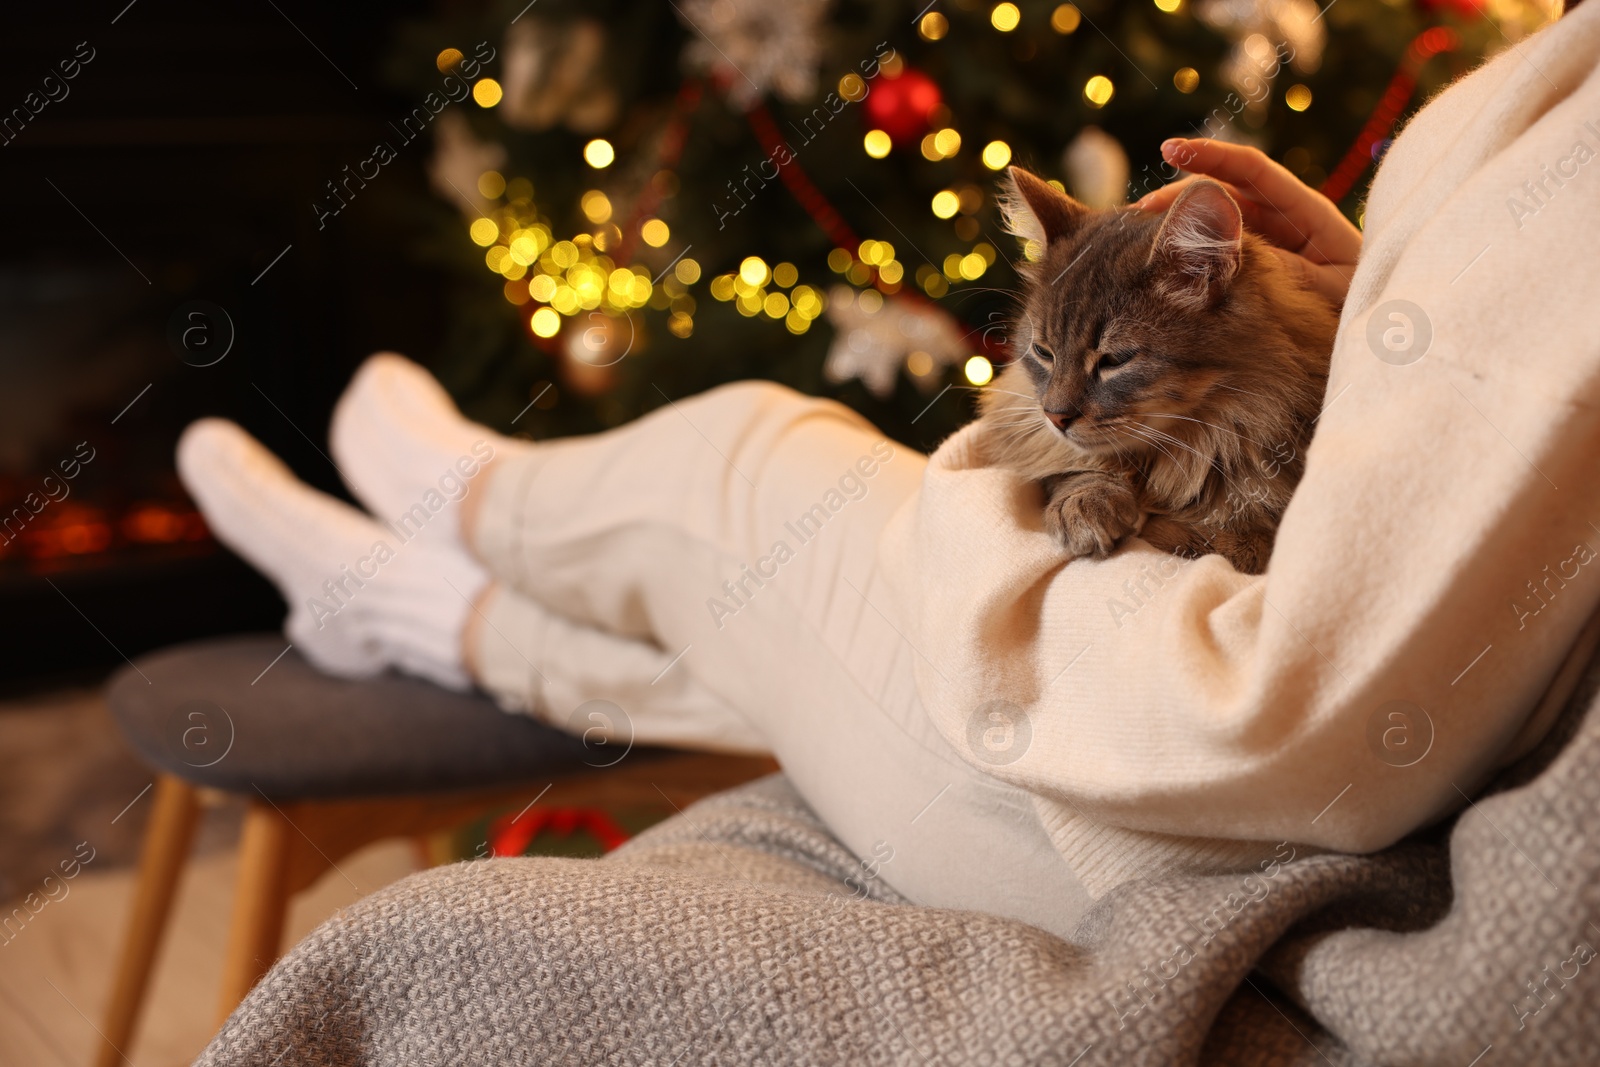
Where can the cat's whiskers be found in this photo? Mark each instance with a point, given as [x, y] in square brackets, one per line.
[1246, 392]
[1156, 437]
[997, 389]
[1202, 422]
[968, 290]
[1211, 461]
[1159, 447]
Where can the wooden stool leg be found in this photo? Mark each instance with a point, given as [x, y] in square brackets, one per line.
[166, 847]
[260, 899]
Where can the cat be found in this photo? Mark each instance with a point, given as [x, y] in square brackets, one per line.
[1168, 371]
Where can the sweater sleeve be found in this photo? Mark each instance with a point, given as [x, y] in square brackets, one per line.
[1436, 565]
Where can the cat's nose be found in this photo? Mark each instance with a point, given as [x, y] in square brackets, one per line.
[1061, 419]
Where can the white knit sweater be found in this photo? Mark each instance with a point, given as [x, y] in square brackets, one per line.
[1432, 575]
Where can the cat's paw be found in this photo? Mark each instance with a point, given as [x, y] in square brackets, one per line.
[1091, 513]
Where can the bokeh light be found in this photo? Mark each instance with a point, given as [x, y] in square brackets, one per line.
[487, 92]
[655, 233]
[754, 271]
[1065, 19]
[491, 183]
[545, 322]
[996, 154]
[596, 206]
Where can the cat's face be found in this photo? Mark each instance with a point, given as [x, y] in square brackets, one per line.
[1120, 340]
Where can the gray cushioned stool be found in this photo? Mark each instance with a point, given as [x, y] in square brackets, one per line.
[327, 766]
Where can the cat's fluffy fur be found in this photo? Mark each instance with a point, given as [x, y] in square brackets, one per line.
[1186, 362]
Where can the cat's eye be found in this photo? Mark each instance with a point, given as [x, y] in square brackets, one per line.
[1115, 359]
[1043, 353]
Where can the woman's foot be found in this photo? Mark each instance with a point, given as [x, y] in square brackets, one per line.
[406, 452]
[361, 596]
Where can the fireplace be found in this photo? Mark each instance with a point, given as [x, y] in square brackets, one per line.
[163, 263]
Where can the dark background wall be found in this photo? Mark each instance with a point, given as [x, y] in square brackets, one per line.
[181, 164]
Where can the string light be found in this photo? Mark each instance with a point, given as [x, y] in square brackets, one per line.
[545, 322]
[596, 206]
[599, 154]
[542, 287]
[979, 370]
[754, 271]
[941, 144]
[484, 232]
[877, 143]
[655, 233]
[1005, 17]
[1169, 6]
[1098, 90]
[491, 183]
[1065, 19]
[946, 204]
[487, 92]
[996, 154]
[447, 60]
[933, 26]
[1298, 97]
[1186, 79]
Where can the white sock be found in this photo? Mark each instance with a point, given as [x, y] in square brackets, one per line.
[404, 449]
[361, 597]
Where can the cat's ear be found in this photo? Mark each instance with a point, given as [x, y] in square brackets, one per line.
[1200, 245]
[1035, 211]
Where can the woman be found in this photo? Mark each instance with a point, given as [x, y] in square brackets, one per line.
[754, 570]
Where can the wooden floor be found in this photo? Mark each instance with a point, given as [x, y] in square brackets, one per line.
[66, 776]
[55, 975]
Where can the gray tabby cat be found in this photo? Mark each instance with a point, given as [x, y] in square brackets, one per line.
[1167, 375]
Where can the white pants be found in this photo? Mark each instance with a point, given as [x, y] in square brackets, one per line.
[711, 571]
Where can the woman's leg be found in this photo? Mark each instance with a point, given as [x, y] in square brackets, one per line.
[738, 530]
[731, 539]
[365, 595]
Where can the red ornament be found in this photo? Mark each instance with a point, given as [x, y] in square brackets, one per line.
[902, 106]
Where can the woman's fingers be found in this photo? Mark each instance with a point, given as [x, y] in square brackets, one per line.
[1259, 217]
[1324, 234]
[1308, 234]
[1290, 213]
[1332, 280]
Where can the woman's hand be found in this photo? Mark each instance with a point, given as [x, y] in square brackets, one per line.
[1305, 228]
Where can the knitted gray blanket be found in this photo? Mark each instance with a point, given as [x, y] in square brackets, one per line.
[741, 932]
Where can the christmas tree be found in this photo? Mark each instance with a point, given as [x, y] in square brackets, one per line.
[644, 200]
